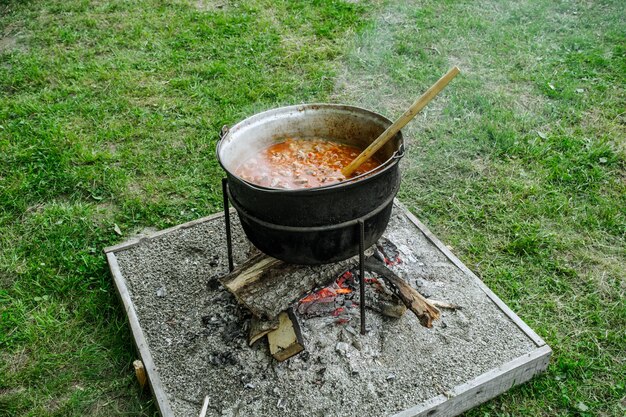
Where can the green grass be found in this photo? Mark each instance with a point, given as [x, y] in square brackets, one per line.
[109, 113]
[521, 167]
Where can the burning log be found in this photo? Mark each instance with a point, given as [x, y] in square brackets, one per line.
[379, 297]
[287, 340]
[319, 303]
[267, 286]
[338, 299]
[421, 307]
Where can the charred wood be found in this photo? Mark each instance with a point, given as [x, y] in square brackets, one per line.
[388, 307]
[268, 286]
[420, 306]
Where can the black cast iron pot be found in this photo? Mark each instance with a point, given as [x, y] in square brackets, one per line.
[315, 225]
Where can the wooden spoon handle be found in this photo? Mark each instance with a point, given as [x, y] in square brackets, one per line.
[391, 131]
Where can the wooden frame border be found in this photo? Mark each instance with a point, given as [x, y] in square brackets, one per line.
[484, 387]
[461, 398]
[138, 240]
[141, 344]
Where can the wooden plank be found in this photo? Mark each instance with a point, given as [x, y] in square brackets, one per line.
[139, 337]
[484, 387]
[457, 262]
[138, 240]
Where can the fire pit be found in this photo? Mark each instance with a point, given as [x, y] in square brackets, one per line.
[325, 256]
[194, 336]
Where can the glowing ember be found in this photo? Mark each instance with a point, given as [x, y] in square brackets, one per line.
[341, 281]
[330, 300]
[389, 252]
[391, 262]
[320, 294]
[340, 299]
[340, 286]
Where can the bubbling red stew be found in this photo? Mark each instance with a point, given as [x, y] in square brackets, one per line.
[301, 163]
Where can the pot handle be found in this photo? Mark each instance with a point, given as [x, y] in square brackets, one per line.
[399, 153]
[224, 131]
[222, 135]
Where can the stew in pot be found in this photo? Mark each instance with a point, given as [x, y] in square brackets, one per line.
[301, 163]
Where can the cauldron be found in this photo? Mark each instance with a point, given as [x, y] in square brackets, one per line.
[313, 225]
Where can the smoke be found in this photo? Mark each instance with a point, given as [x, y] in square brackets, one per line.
[390, 65]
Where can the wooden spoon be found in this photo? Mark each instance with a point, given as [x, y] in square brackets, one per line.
[391, 131]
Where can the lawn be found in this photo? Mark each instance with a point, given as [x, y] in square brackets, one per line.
[109, 114]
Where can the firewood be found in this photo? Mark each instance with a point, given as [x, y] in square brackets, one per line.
[424, 310]
[140, 373]
[380, 298]
[287, 340]
[389, 308]
[205, 406]
[444, 304]
[259, 328]
[267, 286]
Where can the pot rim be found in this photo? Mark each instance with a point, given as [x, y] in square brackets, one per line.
[360, 179]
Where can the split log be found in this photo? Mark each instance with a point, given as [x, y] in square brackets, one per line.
[259, 328]
[425, 311]
[267, 286]
[287, 340]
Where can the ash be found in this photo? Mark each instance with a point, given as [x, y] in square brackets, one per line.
[197, 333]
